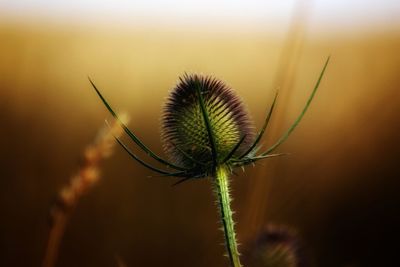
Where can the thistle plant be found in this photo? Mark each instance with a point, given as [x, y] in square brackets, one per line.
[207, 132]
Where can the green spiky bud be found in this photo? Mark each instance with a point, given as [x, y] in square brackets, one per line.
[185, 134]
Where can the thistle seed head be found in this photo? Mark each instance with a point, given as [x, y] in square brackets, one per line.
[184, 131]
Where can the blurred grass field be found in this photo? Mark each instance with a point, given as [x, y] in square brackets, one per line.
[338, 187]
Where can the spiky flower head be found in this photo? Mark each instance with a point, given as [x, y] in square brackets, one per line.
[205, 126]
[187, 137]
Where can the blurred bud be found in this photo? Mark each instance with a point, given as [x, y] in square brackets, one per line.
[276, 246]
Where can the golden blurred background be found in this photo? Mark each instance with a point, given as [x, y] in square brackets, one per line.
[338, 187]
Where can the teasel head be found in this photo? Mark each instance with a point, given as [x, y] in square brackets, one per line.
[205, 123]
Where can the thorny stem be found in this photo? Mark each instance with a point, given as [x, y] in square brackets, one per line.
[221, 187]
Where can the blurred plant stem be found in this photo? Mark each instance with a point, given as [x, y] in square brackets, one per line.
[259, 191]
[79, 184]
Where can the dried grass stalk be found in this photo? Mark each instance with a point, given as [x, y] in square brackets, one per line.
[84, 179]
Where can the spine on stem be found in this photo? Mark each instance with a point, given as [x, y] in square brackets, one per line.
[221, 185]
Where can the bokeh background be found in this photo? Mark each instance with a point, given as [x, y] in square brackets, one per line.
[338, 188]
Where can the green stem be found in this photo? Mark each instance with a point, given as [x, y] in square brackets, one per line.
[221, 184]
